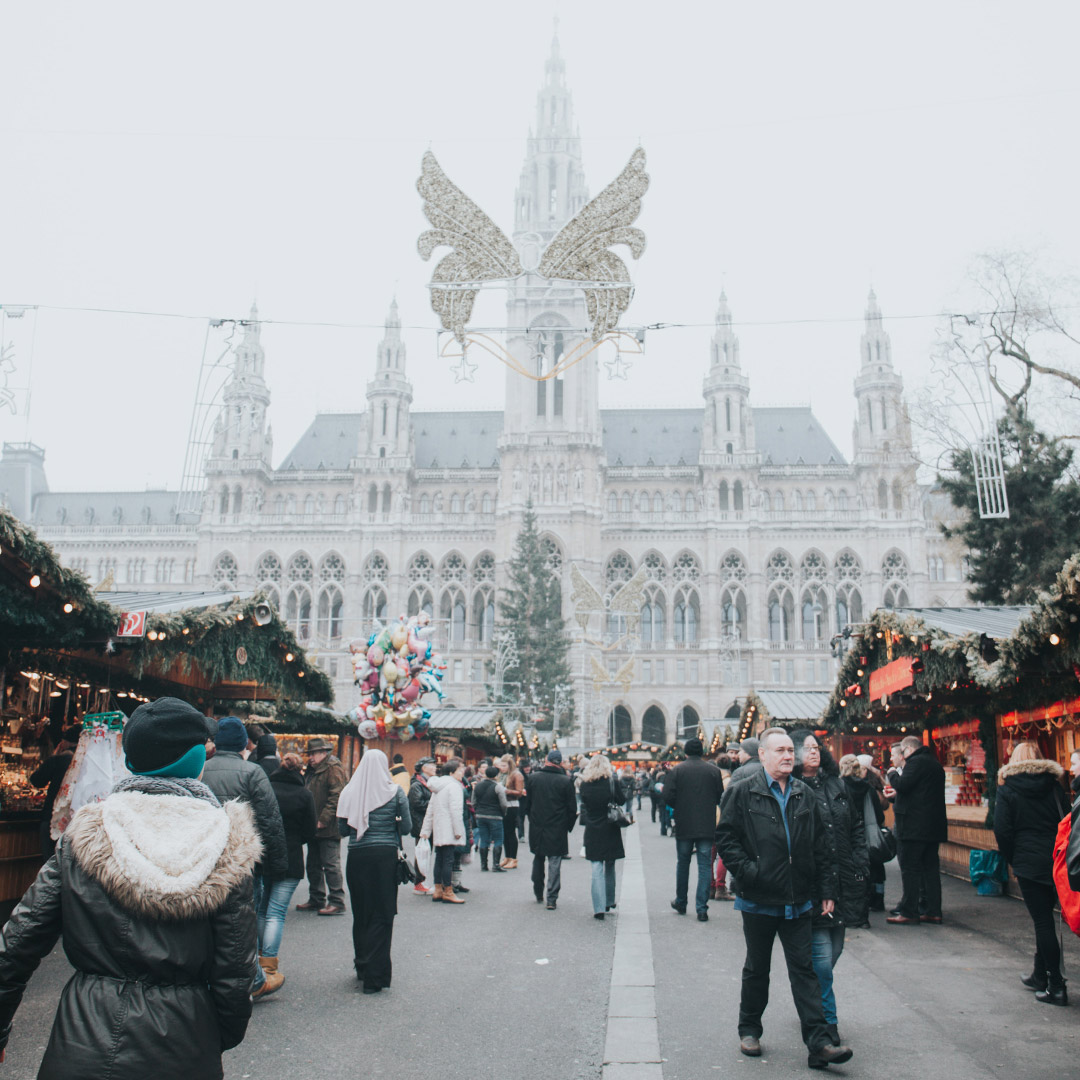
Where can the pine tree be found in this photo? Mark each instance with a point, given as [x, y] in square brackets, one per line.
[531, 609]
[1013, 558]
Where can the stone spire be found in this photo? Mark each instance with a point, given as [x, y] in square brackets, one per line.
[725, 345]
[729, 426]
[389, 395]
[876, 347]
[552, 185]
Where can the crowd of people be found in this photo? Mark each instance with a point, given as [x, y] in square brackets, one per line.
[171, 894]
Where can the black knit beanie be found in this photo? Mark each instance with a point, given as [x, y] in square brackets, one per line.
[161, 732]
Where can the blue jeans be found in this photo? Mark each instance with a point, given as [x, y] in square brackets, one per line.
[828, 945]
[683, 850]
[489, 830]
[603, 885]
[274, 898]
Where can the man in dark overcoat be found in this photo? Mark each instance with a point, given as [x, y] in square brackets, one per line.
[921, 827]
[693, 790]
[552, 813]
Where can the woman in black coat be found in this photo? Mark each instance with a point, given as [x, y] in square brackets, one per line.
[603, 839]
[860, 785]
[297, 806]
[814, 765]
[1031, 801]
[150, 890]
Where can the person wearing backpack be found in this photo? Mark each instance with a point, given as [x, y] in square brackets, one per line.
[1031, 801]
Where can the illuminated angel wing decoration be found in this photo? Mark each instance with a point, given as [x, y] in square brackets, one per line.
[599, 674]
[625, 675]
[627, 601]
[481, 252]
[587, 601]
[579, 251]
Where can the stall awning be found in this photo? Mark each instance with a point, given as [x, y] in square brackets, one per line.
[993, 622]
[462, 720]
[784, 706]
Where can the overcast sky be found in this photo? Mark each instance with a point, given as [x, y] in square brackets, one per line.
[188, 158]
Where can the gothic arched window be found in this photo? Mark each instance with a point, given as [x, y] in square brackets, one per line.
[654, 726]
[330, 610]
[653, 617]
[737, 496]
[484, 615]
[452, 612]
[373, 499]
[486, 504]
[883, 495]
[612, 502]
[374, 606]
[387, 498]
[225, 571]
[298, 611]
[686, 617]
[723, 495]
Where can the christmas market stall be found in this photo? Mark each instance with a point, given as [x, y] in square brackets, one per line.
[783, 708]
[939, 674]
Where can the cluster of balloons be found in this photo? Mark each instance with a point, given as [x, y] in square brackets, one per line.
[395, 667]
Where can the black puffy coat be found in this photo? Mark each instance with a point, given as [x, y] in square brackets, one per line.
[297, 816]
[162, 974]
[1031, 802]
[229, 776]
[552, 810]
[843, 820]
[603, 838]
[693, 790]
[859, 787]
[419, 797]
[753, 844]
[920, 799]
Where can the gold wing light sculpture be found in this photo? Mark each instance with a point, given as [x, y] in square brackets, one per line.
[578, 255]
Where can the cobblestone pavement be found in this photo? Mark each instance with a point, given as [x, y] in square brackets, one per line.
[652, 994]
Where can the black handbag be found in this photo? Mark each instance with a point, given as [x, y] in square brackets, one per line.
[616, 815]
[880, 841]
[405, 873]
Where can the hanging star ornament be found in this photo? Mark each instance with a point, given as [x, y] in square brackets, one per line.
[617, 367]
[463, 370]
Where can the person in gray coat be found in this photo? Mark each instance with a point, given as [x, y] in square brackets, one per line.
[749, 762]
[229, 776]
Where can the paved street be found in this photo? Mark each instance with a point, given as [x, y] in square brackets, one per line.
[470, 998]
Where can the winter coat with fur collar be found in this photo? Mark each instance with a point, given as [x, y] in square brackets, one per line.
[1031, 801]
[444, 820]
[152, 894]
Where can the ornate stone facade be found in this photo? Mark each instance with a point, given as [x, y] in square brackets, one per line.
[761, 542]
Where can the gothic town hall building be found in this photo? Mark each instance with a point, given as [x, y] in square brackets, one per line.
[760, 540]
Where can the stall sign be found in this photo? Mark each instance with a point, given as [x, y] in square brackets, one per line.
[892, 677]
[132, 624]
[638, 755]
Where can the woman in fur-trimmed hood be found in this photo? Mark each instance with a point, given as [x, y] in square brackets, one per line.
[151, 891]
[1031, 801]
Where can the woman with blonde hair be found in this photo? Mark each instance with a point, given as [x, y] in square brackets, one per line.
[603, 839]
[1031, 801]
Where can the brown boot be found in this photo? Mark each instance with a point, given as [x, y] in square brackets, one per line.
[448, 896]
[274, 979]
[509, 864]
[268, 963]
[438, 894]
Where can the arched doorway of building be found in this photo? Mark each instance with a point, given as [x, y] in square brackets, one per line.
[654, 726]
[688, 722]
[619, 727]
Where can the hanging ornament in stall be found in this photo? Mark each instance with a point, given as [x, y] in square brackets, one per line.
[96, 767]
[395, 668]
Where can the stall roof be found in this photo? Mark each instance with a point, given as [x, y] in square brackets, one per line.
[784, 705]
[160, 603]
[463, 719]
[994, 622]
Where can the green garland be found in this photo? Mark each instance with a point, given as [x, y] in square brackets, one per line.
[211, 636]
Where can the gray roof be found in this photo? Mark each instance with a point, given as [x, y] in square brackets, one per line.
[480, 719]
[454, 440]
[783, 705]
[167, 602]
[105, 508]
[457, 440]
[793, 436]
[994, 622]
[330, 442]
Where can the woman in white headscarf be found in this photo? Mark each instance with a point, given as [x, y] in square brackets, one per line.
[373, 812]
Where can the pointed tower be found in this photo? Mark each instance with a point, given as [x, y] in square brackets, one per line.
[881, 424]
[548, 322]
[389, 395]
[729, 427]
[552, 186]
[241, 433]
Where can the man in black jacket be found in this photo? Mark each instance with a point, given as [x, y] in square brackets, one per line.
[921, 825]
[693, 790]
[552, 813]
[771, 837]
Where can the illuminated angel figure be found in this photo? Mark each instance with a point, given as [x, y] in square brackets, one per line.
[579, 253]
[625, 675]
[624, 602]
